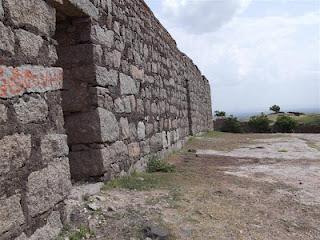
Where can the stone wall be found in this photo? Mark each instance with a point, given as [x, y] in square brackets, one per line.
[145, 96]
[103, 75]
[200, 111]
[34, 166]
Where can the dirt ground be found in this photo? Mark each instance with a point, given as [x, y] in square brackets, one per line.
[227, 186]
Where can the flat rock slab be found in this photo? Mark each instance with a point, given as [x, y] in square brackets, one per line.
[289, 148]
[292, 159]
[80, 191]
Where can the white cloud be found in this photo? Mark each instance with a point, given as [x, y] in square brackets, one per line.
[252, 61]
[201, 16]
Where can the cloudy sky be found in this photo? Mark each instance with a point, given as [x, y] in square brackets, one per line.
[255, 53]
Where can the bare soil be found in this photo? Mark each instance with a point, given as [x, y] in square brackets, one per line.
[227, 186]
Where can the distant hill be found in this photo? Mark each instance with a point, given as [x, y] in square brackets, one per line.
[309, 119]
[246, 115]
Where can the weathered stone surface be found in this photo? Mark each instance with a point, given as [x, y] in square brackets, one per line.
[102, 36]
[34, 109]
[125, 131]
[109, 5]
[98, 125]
[51, 230]
[149, 129]
[133, 132]
[133, 103]
[52, 55]
[118, 105]
[78, 55]
[3, 113]
[140, 107]
[156, 142]
[54, 2]
[116, 27]
[145, 147]
[83, 127]
[97, 54]
[28, 44]
[109, 126]
[141, 165]
[119, 148]
[47, 187]
[76, 8]
[128, 85]
[169, 138]
[23, 236]
[136, 73]
[164, 140]
[11, 214]
[141, 131]
[88, 189]
[104, 100]
[127, 104]
[106, 78]
[1, 11]
[84, 74]
[113, 59]
[134, 150]
[75, 96]
[154, 108]
[7, 39]
[54, 146]
[118, 157]
[14, 151]
[87, 163]
[17, 81]
[43, 16]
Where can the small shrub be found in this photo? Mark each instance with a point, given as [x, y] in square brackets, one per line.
[285, 124]
[259, 124]
[157, 165]
[231, 124]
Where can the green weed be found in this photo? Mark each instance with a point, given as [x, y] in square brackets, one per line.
[138, 182]
[157, 165]
[79, 234]
[283, 150]
[213, 134]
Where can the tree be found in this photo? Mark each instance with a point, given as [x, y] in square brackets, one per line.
[259, 124]
[275, 108]
[285, 124]
[231, 124]
[220, 113]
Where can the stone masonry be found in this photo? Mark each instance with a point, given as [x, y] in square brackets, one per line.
[89, 89]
